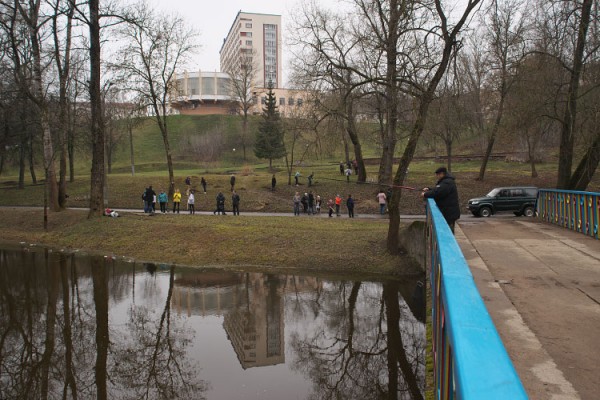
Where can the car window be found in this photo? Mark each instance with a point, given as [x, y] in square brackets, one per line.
[531, 192]
[493, 193]
[505, 193]
[517, 193]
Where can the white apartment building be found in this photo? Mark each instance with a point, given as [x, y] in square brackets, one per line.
[260, 36]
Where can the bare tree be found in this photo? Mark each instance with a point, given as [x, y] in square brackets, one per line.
[506, 38]
[154, 47]
[325, 60]
[447, 114]
[62, 60]
[243, 80]
[566, 23]
[25, 30]
[448, 36]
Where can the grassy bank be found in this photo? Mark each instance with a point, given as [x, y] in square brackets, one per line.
[253, 183]
[277, 243]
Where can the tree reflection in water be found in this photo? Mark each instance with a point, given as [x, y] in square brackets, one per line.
[151, 359]
[92, 328]
[368, 346]
[55, 340]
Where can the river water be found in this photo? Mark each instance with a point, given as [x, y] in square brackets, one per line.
[89, 327]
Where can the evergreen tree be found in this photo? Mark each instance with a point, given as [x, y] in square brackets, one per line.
[269, 137]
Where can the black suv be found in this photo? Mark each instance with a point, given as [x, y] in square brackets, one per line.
[520, 200]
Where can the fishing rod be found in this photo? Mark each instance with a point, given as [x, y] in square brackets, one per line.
[373, 183]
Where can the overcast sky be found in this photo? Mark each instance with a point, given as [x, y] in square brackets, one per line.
[213, 18]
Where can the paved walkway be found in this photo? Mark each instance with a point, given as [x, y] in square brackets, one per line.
[541, 284]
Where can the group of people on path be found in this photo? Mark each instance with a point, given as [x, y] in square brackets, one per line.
[150, 199]
[311, 204]
[444, 193]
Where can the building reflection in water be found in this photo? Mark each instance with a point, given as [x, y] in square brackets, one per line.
[252, 306]
[88, 327]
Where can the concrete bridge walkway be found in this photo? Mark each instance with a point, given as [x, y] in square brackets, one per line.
[541, 285]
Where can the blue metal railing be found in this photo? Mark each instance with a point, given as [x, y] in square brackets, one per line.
[578, 211]
[470, 361]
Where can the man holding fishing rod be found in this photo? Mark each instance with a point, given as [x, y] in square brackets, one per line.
[445, 195]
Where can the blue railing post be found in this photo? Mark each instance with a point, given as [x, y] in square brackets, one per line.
[470, 361]
[578, 211]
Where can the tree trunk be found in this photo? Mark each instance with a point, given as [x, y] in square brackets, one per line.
[244, 133]
[97, 125]
[62, 129]
[531, 155]
[495, 128]
[587, 167]
[71, 143]
[567, 138]
[31, 160]
[351, 130]
[165, 135]
[109, 148]
[346, 148]
[407, 156]
[448, 142]
[49, 161]
[22, 152]
[130, 129]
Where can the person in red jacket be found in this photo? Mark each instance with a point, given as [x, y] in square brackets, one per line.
[338, 203]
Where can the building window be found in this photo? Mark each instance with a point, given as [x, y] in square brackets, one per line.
[291, 101]
[246, 34]
[270, 50]
[282, 101]
[263, 100]
[248, 42]
[299, 102]
[248, 24]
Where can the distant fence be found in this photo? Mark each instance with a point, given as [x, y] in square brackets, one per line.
[470, 361]
[578, 211]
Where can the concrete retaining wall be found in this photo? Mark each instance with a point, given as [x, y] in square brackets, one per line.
[412, 239]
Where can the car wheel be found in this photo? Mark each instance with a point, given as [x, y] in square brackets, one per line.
[485, 211]
[528, 211]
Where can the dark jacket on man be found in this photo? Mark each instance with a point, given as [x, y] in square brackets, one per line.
[445, 195]
[149, 195]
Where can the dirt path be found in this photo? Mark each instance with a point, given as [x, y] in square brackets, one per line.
[541, 284]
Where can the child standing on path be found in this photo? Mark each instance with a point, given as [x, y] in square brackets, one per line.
[338, 203]
[318, 204]
[176, 200]
[348, 173]
[162, 199]
[191, 201]
[382, 199]
[330, 206]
